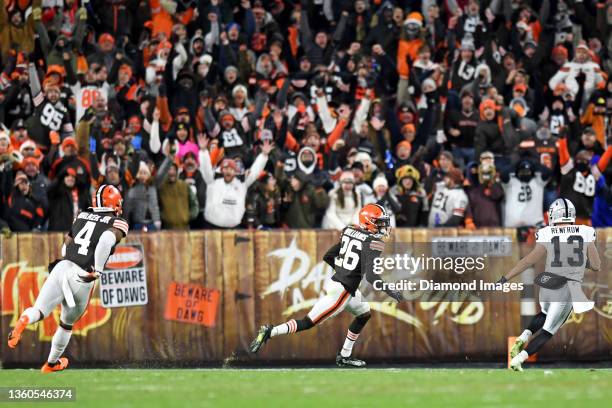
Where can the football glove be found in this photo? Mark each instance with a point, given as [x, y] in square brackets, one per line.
[396, 295]
[90, 276]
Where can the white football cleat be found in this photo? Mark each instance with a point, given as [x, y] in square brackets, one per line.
[516, 364]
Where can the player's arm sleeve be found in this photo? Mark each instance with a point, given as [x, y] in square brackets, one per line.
[67, 241]
[122, 226]
[103, 250]
[593, 260]
[371, 252]
[541, 236]
[331, 254]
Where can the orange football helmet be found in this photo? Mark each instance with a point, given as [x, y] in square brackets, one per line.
[107, 198]
[375, 219]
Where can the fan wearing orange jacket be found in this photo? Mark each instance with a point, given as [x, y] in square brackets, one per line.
[162, 12]
[409, 44]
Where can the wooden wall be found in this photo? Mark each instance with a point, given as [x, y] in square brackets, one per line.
[245, 267]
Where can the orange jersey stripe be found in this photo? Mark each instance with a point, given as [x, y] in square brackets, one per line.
[335, 306]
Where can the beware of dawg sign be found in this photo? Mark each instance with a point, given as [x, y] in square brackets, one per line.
[192, 303]
[124, 281]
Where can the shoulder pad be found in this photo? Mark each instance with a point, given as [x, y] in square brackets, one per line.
[543, 234]
[589, 233]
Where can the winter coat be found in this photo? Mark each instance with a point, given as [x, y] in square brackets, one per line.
[196, 181]
[489, 137]
[141, 206]
[23, 213]
[178, 204]
[23, 36]
[61, 204]
[305, 205]
[484, 205]
[263, 207]
[115, 16]
[466, 124]
[414, 207]
[338, 216]
[80, 166]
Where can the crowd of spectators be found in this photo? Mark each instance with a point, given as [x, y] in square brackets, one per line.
[294, 114]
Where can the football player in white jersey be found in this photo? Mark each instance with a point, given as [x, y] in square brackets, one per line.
[568, 249]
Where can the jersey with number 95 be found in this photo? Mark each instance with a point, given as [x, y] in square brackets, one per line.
[85, 233]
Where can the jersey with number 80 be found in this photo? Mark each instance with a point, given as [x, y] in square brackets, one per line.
[86, 231]
[566, 249]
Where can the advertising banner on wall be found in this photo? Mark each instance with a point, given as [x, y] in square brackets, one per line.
[124, 281]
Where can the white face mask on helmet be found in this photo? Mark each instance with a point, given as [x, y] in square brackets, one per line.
[561, 211]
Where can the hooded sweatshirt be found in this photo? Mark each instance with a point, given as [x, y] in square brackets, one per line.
[226, 202]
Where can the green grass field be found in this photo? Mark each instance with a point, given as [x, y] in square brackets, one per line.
[323, 387]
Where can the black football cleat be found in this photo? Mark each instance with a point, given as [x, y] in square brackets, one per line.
[349, 362]
[262, 336]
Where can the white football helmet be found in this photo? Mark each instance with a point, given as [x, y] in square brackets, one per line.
[561, 211]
